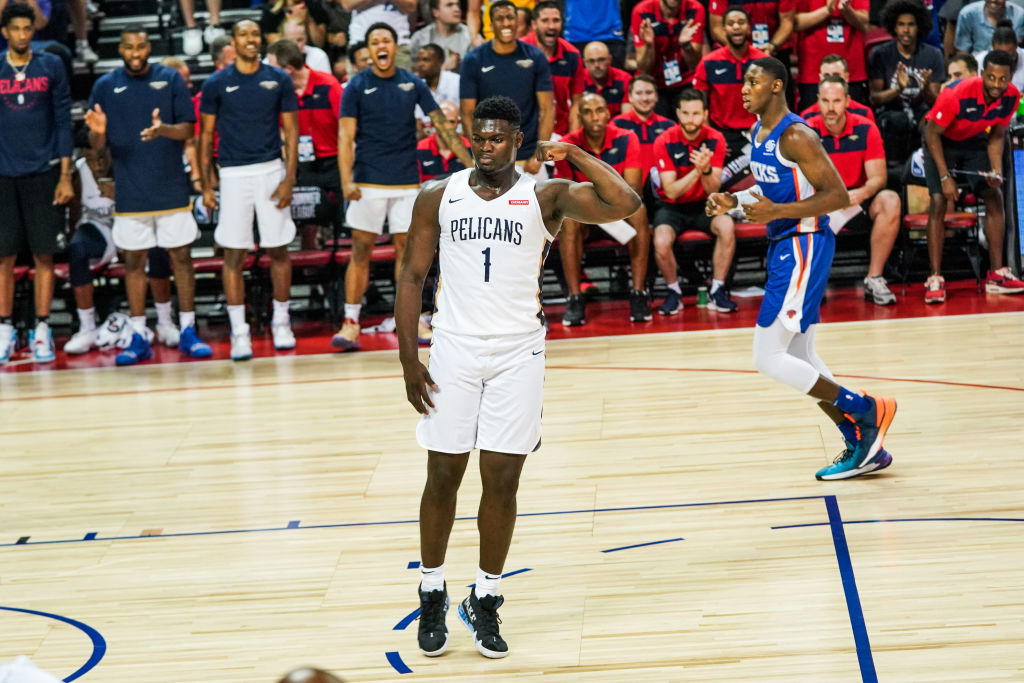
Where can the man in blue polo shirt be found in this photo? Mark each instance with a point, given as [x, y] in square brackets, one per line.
[143, 112]
[377, 161]
[35, 172]
[510, 67]
[249, 104]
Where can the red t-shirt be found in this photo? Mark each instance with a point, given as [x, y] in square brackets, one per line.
[962, 109]
[764, 15]
[832, 36]
[430, 161]
[670, 69]
[853, 107]
[672, 153]
[319, 107]
[615, 89]
[858, 142]
[567, 74]
[620, 150]
[646, 132]
[721, 75]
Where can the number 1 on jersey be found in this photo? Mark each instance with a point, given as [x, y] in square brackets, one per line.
[487, 264]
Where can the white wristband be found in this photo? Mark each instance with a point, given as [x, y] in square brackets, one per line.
[745, 196]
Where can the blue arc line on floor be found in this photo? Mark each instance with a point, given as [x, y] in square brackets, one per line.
[99, 644]
[860, 630]
[641, 545]
[293, 526]
[395, 660]
[906, 519]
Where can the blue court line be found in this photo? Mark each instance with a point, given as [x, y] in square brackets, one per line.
[641, 545]
[99, 645]
[395, 660]
[907, 519]
[860, 630]
[293, 526]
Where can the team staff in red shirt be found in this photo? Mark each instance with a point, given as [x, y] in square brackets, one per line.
[565, 61]
[689, 159]
[835, 64]
[956, 139]
[854, 145]
[720, 75]
[647, 126]
[434, 158]
[772, 22]
[319, 96]
[826, 27]
[599, 76]
[620, 149]
[669, 39]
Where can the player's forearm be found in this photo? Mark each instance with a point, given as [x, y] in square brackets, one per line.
[858, 19]
[291, 155]
[806, 20]
[645, 58]
[206, 158]
[408, 300]
[178, 131]
[785, 30]
[820, 203]
[884, 95]
[933, 140]
[450, 138]
[546, 125]
[995, 150]
[681, 185]
[614, 192]
[97, 140]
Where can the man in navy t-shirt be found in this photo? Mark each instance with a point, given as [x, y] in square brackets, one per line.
[143, 112]
[35, 172]
[377, 161]
[250, 104]
[510, 67]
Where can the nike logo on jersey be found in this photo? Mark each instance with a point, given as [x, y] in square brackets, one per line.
[121, 89]
[536, 353]
[369, 91]
[719, 72]
[679, 156]
[452, 201]
[232, 88]
[784, 257]
[485, 69]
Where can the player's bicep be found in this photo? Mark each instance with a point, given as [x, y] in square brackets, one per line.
[802, 146]
[579, 201]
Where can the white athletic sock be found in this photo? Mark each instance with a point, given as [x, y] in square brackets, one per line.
[236, 314]
[87, 319]
[431, 579]
[676, 288]
[41, 329]
[715, 284]
[281, 316]
[352, 312]
[163, 313]
[486, 584]
[186, 319]
[139, 324]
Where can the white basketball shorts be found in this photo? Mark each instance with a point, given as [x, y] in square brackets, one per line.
[245, 190]
[377, 203]
[490, 393]
[139, 232]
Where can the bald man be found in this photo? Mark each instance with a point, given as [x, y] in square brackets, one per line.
[602, 78]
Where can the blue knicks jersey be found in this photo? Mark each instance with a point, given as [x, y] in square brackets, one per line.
[781, 180]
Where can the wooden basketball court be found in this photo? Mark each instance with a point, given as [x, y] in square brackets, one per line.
[209, 522]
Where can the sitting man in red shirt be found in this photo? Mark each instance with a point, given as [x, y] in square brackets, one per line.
[836, 65]
[964, 135]
[434, 158]
[689, 159]
[620, 149]
[855, 146]
[602, 78]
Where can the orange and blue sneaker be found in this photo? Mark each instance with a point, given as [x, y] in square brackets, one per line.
[842, 467]
[872, 426]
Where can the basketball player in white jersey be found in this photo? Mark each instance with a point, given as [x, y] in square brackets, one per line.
[485, 382]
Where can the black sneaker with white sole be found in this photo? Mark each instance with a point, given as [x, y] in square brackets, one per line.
[433, 634]
[639, 306]
[480, 615]
[575, 311]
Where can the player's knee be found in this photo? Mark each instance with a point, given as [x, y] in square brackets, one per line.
[664, 238]
[134, 261]
[937, 205]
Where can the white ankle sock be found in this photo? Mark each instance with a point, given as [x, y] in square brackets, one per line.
[281, 316]
[186, 319]
[431, 579]
[139, 323]
[715, 284]
[163, 313]
[87, 319]
[486, 584]
[676, 288]
[236, 314]
[352, 312]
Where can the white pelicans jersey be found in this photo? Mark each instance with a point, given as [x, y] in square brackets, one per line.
[492, 255]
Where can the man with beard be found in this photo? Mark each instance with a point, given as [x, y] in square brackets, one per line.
[797, 187]
[954, 142]
[600, 77]
[771, 22]
[834, 64]
[620, 149]
[143, 112]
[377, 161]
[35, 172]
[905, 76]
[565, 61]
[689, 160]
[854, 145]
[492, 227]
[668, 36]
[720, 74]
[249, 105]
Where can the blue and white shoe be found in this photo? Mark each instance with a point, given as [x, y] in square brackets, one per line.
[843, 466]
[191, 345]
[8, 342]
[41, 345]
[672, 304]
[138, 350]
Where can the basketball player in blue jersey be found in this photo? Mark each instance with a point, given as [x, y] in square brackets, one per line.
[797, 185]
[484, 385]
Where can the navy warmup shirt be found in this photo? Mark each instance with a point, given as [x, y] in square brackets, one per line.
[150, 175]
[35, 115]
[519, 75]
[248, 109]
[385, 114]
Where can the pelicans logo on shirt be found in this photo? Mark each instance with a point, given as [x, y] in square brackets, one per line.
[158, 85]
[406, 86]
[525, 63]
[269, 85]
